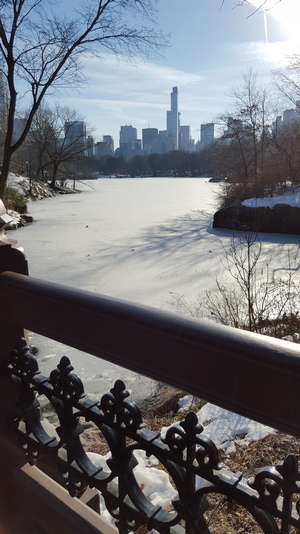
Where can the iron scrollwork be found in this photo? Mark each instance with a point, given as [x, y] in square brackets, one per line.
[185, 453]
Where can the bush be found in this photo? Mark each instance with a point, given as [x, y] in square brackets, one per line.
[253, 298]
[14, 200]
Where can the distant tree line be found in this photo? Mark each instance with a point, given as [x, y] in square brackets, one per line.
[47, 156]
[174, 163]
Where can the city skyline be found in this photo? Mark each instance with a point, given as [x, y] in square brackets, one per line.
[175, 136]
[211, 49]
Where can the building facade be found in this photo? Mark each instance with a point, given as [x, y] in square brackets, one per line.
[150, 139]
[127, 134]
[207, 134]
[75, 134]
[173, 122]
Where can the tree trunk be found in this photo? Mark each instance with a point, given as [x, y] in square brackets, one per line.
[53, 181]
[4, 173]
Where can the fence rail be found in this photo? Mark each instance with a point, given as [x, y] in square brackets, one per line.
[252, 375]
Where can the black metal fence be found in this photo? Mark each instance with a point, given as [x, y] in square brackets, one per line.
[253, 375]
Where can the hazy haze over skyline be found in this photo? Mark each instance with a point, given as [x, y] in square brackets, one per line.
[211, 48]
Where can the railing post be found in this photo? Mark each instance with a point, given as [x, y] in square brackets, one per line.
[11, 259]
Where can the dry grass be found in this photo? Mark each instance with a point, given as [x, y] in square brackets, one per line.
[222, 516]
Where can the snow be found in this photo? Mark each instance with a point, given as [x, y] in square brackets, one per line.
[293, 199]
[15, 181]
[146, 241]
[225, 427]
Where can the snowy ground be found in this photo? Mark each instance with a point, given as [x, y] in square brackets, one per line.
[146, 241]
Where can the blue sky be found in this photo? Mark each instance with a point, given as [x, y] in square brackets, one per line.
[211, 48]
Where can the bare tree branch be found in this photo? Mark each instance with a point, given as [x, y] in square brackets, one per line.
[42, 50]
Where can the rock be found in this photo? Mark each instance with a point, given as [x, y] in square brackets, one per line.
[282, 219]
[289, 218]
[163, 402]
[27, 219]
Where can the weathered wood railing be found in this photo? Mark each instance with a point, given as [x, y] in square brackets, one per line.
[249, 374]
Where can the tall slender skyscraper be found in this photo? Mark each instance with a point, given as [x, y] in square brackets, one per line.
[173, 120]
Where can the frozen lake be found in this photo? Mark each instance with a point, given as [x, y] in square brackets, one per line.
[136, 239]
[143, 240]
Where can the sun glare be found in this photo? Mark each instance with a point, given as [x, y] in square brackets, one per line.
[287, 15]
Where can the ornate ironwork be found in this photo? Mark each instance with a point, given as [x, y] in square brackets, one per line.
[270, 496]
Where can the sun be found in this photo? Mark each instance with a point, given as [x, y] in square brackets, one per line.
[287, 14]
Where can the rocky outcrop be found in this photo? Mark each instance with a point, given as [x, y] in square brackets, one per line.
[165, 400]
[282, 219]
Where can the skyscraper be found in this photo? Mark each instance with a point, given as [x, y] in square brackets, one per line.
[108, 139]
[173, 120]
[150, 140]
[127, 134]
[207, 134]
[184, 138]
[75, 134]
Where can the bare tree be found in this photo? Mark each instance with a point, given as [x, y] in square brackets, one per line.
[253, 297]
[248, 125]
[257, 300]
[40, 49]
[57, 138]
[263, 4]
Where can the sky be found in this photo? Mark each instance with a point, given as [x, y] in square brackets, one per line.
[211, 47]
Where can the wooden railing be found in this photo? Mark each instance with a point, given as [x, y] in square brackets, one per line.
[252, 375]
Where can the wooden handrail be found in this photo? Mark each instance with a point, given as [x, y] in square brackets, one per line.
[247, 373]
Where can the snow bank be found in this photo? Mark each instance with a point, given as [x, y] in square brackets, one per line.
[18, 182]
[225, 427]
[292, 199]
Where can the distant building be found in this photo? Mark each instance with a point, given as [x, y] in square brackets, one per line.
[75, 134]
[150, 139]
[207, 134]
[173, 122]
[234, 128]
[100, 149]
[108, 139]
[130, 145]
[290, 116]
[162, 141]
[127, 134]
[184, 138]
[90, 146]
[105, 147]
